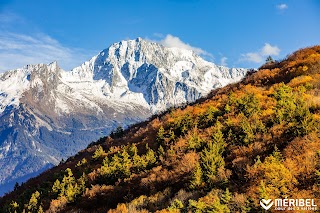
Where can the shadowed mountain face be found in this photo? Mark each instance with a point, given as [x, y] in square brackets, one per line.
[47, 114]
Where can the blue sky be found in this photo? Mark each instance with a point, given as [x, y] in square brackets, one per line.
[232, 33]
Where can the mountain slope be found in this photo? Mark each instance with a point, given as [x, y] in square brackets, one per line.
[47, 114]
[259, 138]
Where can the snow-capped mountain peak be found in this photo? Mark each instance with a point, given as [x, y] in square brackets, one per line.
[142, 67]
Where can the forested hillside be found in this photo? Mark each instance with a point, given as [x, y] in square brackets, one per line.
[259, 138]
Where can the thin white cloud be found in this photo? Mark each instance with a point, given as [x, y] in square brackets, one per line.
[32, 47]
[18, 50]
[259, 56]
[267, 49]
[253, 57]
[223, 61]
[282, 6]
[174, 41]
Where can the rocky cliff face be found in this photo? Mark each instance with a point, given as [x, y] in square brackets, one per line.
[47, 114]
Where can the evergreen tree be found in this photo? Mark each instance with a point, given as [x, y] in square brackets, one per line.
[132, 150]
[171, 136]
[56, 186]
[249, 206]
[33, 202]
[196, 181]
[126, 164]
[175, 205]
[249, 104]
[150, 157]
[262, 191]
[217, 138]
[139, 163]
[269, 60]
[16, 186]
[81, 183]
[13, 207]
[119, 132]
[277, 154]
[227, 108]
[211, 161]
[161, 153]
[247, 134]
[226, 196]
[160, 135]
[195, 141]
[98, 153]
[40, 210]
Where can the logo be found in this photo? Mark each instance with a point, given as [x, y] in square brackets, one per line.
[289, 204]
[266, 204]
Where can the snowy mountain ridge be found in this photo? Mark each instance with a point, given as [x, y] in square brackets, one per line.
[119, 73]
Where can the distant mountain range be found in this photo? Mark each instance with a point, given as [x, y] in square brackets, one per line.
[47, 114]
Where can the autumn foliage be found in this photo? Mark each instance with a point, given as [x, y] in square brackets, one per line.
[256, 139]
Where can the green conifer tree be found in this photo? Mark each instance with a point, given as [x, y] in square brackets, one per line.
[226, 196]
[98, 153]
[33, 202]
[196, 181]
